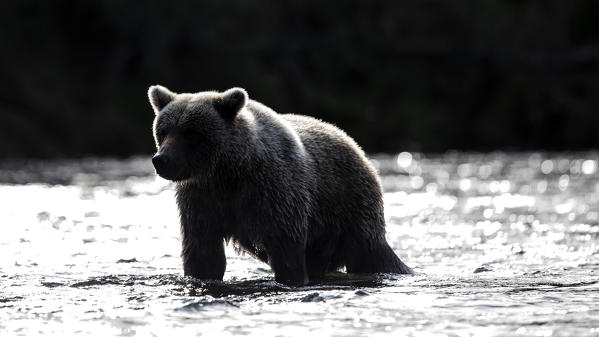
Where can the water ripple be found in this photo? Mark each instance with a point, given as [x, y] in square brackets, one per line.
[502, 244]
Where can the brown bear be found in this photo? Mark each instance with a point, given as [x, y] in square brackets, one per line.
[293, 191]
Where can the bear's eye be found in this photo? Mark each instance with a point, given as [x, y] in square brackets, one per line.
[192, 135]
[161, 134]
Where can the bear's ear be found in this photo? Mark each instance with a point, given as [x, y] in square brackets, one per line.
[159, 97]
[231, 102]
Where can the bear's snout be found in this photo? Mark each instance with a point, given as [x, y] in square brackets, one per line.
[164, 166]
[160, 161]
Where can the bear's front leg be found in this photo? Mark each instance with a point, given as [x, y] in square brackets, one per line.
[203, 244]
[203, 259]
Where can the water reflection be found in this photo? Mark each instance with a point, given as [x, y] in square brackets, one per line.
[503, 244]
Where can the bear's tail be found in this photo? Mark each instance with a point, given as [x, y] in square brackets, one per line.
[400, 267]
[378, 259]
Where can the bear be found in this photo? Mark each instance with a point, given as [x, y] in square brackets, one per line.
[295, 192]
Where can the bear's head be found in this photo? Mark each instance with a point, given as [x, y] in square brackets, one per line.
[191, 131]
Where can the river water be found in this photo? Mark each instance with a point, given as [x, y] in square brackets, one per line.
[501, 245]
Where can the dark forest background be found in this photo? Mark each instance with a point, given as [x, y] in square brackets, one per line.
[396, 75]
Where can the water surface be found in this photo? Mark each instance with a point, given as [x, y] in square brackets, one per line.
[502, 245]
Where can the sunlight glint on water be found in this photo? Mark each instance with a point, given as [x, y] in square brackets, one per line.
[502, 244]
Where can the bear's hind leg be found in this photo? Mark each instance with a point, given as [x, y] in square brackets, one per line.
[289, 265]
[320, 257]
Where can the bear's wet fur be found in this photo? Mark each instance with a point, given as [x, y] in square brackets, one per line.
[293, 191]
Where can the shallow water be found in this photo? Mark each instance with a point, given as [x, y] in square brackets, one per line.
[502, 245]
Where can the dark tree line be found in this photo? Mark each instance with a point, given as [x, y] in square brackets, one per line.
[396, 75]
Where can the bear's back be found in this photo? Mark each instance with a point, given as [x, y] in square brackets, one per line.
[319, 156]
[327, 143]
[341, 166]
